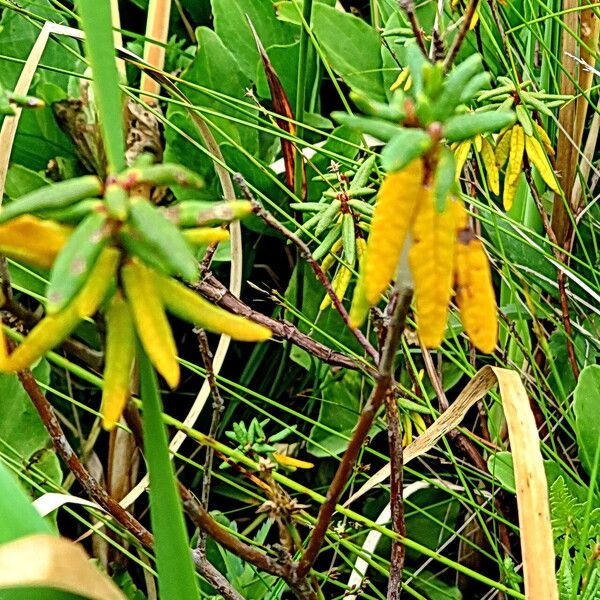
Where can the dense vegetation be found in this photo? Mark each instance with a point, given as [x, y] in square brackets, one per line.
[300, 299]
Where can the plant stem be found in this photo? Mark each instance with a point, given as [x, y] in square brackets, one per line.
[305, 253]
[397, 323]
[176, 578]
[462, 33]
[218, 407]
[408, 6]
[363, 426]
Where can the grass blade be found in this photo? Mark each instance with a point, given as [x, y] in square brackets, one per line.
[176, 576]
[97, 25]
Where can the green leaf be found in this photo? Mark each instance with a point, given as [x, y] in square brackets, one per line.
[382, 130]
[445, 175]
[587, 408]
[434, 588]
[340, 406]
[501, 467]
[21, 428]
[176, 576]
[352, 47]
[39, 138]
[20, 181]
[214, 68]
[463, 127]
[404, 147]
[231, 24]
[97, 24]
[19, 518]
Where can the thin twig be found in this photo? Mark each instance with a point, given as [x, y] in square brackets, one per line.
[306, 254]
[218, 407]
[202, 519]
[397, 323]
[408, 6]
[212, 289]
[67, 454]
[365, 421]
[462, 33]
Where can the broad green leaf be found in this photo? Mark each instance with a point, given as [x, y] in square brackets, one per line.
[176, 576]
[19, 518]
[587, 408]
[352, 47]
[214, 68]
[97, 24]
[436, 589]
[501, 467]
[340, 406]
[38, 138]
[20, 181]
[231, 24]
[21, 428]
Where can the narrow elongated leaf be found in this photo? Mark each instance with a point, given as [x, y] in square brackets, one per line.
[176, 577]
[97, 24]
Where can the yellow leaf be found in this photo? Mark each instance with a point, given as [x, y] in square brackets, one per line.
[537, 156]
[150, 320]
[339, 284]
[120, 354]
[460, 155]
[545, 139]
[200, 236]
[288, 461]
[502, 148]
[403, 81]
[34, 241]
[190, 306]
[515, 157]
[399, 195]
[360, 306]
[332, 255]
[475, 293]
[49, 332]
[491, 170]
[432, 265]
[99, 281]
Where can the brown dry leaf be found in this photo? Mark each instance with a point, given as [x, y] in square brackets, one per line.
[44, 560]
[532, 489]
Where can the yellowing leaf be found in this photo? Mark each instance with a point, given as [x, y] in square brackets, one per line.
[431, 260]
[460, 154]
[150, 320]
[491, 170]
[120, 354]
[545, 139]
[399, 195]
[340, 284]
[288, 461]
[538, 158]
[514, 167]
[502, 148]
[475, 293]
[34, 241]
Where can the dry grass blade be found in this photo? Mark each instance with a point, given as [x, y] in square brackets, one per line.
[47, 561]
[532, 492]
[10, 124]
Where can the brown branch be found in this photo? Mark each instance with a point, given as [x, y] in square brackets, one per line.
[365, 421]
[408, 6]
[218, 407]
[462, 33]
[401, 308]
[122, 516]
[67, 454]
[560, 256]
[212, 289]
[306, 254]
[202, 519]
